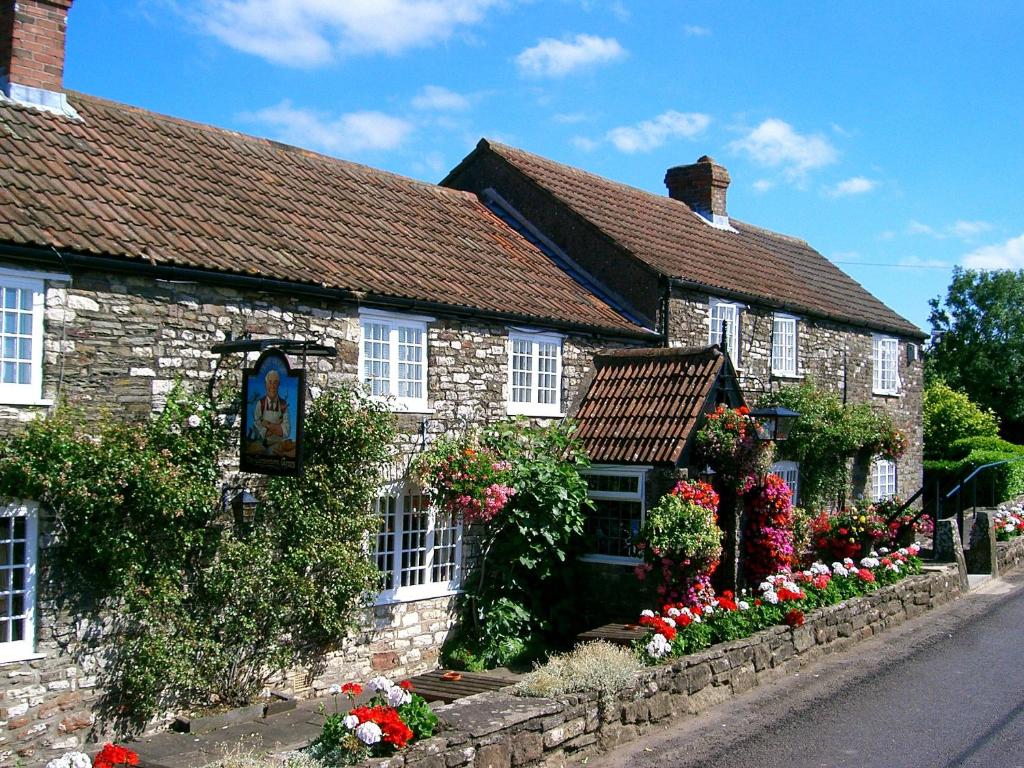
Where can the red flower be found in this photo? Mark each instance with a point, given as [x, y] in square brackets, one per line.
[352, 689]
[795, 617]
[406, 684]
[113, 756]
[865, 575]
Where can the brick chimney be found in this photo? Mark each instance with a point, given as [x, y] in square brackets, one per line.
[32, 34]
[701, 186]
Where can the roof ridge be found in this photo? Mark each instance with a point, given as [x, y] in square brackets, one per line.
[655, 352]
[248, 138]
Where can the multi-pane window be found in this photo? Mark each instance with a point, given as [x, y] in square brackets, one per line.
[22, 304]
[790, 472]
[883, 479]
[535, 374]
[618, 514]
[784, 345]
[886, 365]
[728, 313]
[393, 358]
[18, 535]
[418, 548]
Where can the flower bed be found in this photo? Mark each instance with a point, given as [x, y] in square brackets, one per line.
[782, 598]
[1009, 521]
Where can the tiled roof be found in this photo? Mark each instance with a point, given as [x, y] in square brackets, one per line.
[666, 234]
[642, 404]
[135, 185]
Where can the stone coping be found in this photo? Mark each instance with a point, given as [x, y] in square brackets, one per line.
[499, 730]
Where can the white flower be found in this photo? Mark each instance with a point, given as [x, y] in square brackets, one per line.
[647, 612]
[708, 610]
[764, 586]
[658, 646]
[350, 721]
[771, 597]
[671, 622]
[869, 562]
[194, 421]
[369, 733]
[884, 550]
[397, 696]
[847, 561]
[334, 690]
[71, 760]
[838, 569]
[673, 612]
[743, 605]
[380, 684]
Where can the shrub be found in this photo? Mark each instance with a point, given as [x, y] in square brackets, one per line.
[950, 416]
[768, 535]
[965, 446]
[203, 613]
[598, 666]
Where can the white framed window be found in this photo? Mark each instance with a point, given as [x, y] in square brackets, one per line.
[22, 304]
[534, 373]
[619, 509]
[393, 358]
[790, 472]
[784, 345]
[419, 547]
[886, 375]
[18, 554]
[729, 313]
[883, 479]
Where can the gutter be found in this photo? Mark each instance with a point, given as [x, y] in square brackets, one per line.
[68, 259]
[725, 293]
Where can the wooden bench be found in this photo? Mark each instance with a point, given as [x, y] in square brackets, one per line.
[619, 634]
[433, 687]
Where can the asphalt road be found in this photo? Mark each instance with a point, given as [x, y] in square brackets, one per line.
[944, 690]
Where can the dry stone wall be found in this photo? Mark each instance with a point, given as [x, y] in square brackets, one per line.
[116, 343]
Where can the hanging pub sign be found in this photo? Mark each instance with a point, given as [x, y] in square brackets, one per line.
[273, 402]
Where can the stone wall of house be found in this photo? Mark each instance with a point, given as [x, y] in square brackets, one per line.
[117, 343]
[500, 730]
[837, 357]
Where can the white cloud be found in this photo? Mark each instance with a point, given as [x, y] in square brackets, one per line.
[1007, 255]
[693, 30]
[916, 262]
[775, 144]
[571, 118]
[650, 134]
[309, 33]
[857, 185]
[585, 144]
[556, 58]
[436, 97]
[961, 229]
[346, 134]
[763, 185]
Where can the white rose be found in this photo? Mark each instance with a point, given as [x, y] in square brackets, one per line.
[369, 733]
[350, 721]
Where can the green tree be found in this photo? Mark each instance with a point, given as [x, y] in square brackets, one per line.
[950, 415]
[980, 347]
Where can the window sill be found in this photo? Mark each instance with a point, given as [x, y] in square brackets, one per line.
[413, 595]
[536, 413]
[22, 659]
[610, 560]
[790, 376]
[399, 406]
[885, 393]
[40, 402]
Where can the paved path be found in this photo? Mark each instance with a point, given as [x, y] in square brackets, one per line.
[944, 690]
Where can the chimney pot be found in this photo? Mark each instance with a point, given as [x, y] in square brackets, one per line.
[702, 186]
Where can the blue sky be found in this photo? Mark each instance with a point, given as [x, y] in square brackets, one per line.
[888, 135]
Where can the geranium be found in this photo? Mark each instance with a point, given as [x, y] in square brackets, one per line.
[794, 617]
[71, 760]
[849, 532]
[768, 538]
[114, 756]
[464, 478]
[728, 442]
[352, 689]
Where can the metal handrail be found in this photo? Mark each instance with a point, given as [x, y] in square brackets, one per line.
[970, 477]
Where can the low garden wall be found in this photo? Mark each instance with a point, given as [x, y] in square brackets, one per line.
[1010, 553]
[500, 730]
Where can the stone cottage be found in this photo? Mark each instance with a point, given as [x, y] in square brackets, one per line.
[131, 243]
[679, 263]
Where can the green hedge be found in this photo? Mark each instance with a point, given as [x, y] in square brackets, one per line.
[962, 448]
[1005, 481]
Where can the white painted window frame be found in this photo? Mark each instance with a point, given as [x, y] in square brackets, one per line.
[394, 321]
[617, 470]
[884, 477]
[735, 337]
[397, 593]
[780, 318]
[24, 649]
[533, 407]
[885, 348]
[31, 393]
[787, 470]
